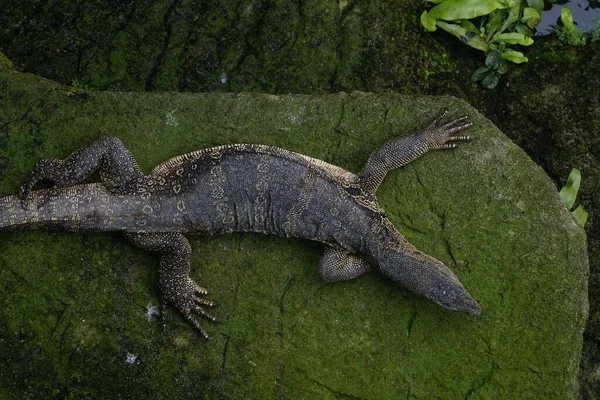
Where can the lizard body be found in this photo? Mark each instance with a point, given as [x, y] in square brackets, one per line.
[241, 188]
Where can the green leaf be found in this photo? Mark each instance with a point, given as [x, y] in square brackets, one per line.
[537, 4]
[490, 81]
[428, 22]
[464, 35]
[513, 38]
[480, 73]
[515, 56]
[580, 216]
[524, 30]
[566, 17]
[452, 10]
[502, 67]
[568, 193]
[531, 17]
[513, 15]
[494, 22]
[469, 26]
[492, 59]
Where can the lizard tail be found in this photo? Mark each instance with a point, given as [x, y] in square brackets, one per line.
[63, 208]
[11, 212]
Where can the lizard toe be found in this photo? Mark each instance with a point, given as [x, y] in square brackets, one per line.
[25, 193]
[189, 305]
[204, 302]
[188, 316]
[198, 289]
[442, 136]
[200, 311]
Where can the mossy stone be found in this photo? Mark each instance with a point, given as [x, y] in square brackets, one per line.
[74, 304]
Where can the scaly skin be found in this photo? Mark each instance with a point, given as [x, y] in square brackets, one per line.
[241, 188]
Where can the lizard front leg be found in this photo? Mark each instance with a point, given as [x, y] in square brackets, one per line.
[176, 286]
[119, 172]
[402, 150]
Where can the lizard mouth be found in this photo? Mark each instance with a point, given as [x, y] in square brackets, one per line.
[470, 306]
[457, 299]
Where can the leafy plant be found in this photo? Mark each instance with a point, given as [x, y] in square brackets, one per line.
[595, 35]
[568, 195]
[570, 34]
[489, 26]
[75, 83]
[489, 76]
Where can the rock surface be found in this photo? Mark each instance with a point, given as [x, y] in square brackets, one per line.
[289, 46]
[74, 304]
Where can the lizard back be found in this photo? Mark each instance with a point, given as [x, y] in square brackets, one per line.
[263, 189]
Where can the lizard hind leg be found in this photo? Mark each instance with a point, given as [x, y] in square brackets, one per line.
[176, 286]
[339, 265]
[119, 172]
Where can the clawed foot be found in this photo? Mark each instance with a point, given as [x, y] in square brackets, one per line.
[188, 302]
[26, 189]
[442, 136]
[44, 170]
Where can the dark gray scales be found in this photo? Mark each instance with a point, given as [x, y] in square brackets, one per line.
[241, 188]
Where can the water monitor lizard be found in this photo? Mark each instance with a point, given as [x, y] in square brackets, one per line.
[241, 188]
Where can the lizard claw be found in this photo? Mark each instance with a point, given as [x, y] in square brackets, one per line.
[198, 289]
[188, 303]
[204, 302]
[43, 170]
[196, 325]
[187, 313]
[25, 191]
[441, 136]
[28, 201]
[200, 311]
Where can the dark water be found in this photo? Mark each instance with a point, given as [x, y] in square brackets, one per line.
[585, 12]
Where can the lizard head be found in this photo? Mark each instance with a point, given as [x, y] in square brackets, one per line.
[451, 294]
[429, 277]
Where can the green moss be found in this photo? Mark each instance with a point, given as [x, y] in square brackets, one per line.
[559, 56]
[5, 63]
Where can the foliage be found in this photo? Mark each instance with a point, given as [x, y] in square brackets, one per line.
[570, 34]
[489, 75]
[568, 195]
[489, 26]
[595, 35]
[501, 23]
[76, 84]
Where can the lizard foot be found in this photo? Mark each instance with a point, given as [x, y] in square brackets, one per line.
[442, 136]
[188, 302]
[44, 170]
